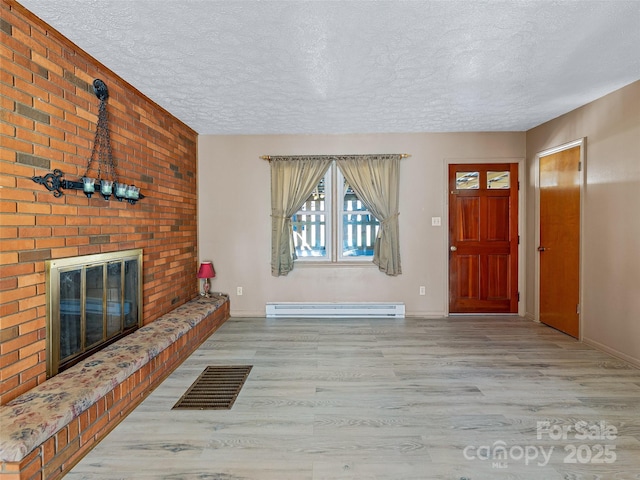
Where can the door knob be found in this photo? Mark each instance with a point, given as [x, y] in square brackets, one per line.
[453, 248]
[541, 249]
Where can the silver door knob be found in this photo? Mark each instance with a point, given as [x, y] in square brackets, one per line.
[453, 248]
[541, 249]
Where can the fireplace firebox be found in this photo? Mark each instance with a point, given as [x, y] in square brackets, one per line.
[92, 301]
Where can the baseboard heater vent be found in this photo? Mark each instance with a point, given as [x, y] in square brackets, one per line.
[328, 310]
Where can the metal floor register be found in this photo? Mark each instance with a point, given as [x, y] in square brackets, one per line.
[216, 388]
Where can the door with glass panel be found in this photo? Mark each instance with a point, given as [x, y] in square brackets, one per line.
[483, 238]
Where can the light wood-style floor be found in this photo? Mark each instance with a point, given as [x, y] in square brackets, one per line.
[457, 398]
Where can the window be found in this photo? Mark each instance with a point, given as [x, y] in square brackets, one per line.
[495, 180]
[337, 226]
[326, 229]
[498, 180]
[467, 180]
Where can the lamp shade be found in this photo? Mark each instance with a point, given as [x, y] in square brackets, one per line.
[206, 270]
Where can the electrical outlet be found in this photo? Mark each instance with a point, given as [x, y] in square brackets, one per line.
[423, 290]
[239, 291]
[436, 221]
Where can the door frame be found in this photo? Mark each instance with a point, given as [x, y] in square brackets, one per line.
[521, 223]
[582, 143]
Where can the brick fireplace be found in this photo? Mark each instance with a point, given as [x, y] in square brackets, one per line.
[49, 115]
[92, 301]
[49, 120]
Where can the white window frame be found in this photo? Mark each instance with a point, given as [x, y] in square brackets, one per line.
[334, 230]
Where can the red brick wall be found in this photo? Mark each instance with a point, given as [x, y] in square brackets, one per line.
[49, 114]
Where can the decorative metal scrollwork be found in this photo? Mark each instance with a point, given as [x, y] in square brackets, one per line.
[52, 182]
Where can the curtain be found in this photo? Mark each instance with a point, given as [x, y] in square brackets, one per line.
[376, 181]
[292, 181]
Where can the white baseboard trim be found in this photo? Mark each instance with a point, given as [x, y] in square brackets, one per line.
[612, 351]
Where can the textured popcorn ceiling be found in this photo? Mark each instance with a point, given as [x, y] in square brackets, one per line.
[270, 67]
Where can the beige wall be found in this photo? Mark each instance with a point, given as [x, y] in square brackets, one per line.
[611, 230]
[235, 228]
[234, 222]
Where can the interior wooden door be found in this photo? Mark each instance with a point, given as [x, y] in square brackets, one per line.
[483, 238]
[559, 247]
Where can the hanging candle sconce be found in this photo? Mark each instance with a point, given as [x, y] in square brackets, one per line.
[106, 182]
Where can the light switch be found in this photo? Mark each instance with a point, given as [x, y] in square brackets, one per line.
[436, 221]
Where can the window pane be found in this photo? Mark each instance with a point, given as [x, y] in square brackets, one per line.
[316, 201]
[498, 180]
[70, 313]
[359, 227]
[114, 297]
[309, 234]
[351, 203]
[130, 293]
[467, 180]
[358, 234]
[93, 305]
[310, 224]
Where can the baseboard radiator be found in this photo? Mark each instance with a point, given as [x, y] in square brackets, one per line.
[329, 310]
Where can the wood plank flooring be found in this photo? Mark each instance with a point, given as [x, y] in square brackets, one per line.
[459, 398]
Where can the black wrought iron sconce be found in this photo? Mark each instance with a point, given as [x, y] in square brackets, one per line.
[54, 182]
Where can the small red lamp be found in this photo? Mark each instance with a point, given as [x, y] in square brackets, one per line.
[206, 271]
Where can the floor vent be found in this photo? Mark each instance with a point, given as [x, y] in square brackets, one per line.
[215, 389]
[328, 310]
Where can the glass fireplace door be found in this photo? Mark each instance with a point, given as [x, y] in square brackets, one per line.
[91, 302]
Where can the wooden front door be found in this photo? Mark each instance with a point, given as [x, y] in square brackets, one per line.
[483, 238]
[559, 246]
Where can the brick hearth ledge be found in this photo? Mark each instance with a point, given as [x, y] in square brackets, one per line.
[34, 417]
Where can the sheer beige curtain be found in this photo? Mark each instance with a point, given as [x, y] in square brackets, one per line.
[292, 181]
[376, 181]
